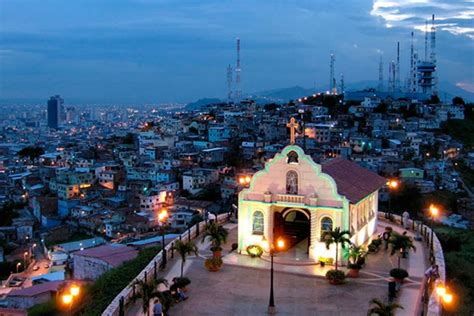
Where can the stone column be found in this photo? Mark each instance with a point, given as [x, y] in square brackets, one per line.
[313, 234]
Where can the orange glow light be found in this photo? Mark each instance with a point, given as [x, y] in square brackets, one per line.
[247, 179]
[67, 299]
[434, 210]
[447, 298]
[393, 184]
[280, 243]
[241, 180]
[75, 290]
[163, 215]
[440, 290]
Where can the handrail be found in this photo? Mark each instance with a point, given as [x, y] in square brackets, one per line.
[125, 295]
[433, 305]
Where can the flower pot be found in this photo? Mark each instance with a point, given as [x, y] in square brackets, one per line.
[217, 253]
[398, 280]
[335, 282]
[322, 263]
[353, 273]
[214, 268]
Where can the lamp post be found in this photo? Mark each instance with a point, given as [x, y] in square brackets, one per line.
[392, 185]
[434, 211]
[162, 218]
[69, 295]
[18, 266]
[444, 296]
[25, 257]
[271, 249]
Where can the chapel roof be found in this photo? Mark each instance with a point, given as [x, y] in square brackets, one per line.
[353, 181]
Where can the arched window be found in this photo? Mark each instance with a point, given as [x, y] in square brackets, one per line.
[257, 223]
[326, 226]
[291, 182]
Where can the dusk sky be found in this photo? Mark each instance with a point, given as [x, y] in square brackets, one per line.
[178, 51]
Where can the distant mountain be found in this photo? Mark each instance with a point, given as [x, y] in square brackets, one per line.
[196, 105]
[447, 91]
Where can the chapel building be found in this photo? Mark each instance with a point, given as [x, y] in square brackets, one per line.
[296, 199]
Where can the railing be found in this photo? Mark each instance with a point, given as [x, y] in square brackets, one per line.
[290, 198]
[430, 304]
[117, 306]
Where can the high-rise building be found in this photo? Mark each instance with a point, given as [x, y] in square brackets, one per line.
[55, 111]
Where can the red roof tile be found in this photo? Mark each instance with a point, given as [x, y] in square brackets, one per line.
[353, 181]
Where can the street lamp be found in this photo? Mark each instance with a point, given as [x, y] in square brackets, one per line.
[69, 295]
[444, 295]
[18, 266]
[24, 258]
[434, 211]
[162, 218]
[271, 248]
[392, 185]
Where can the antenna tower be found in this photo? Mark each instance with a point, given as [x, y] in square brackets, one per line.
[238, 91]
[433, 54]
[397, 70]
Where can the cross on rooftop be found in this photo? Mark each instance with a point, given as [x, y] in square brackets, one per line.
[293, 125]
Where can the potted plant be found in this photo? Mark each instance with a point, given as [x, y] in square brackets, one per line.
[182, 283]
[255, 251]
[398, 274]
[337, 237]
[213, 264]
[184, 249]
[217, 235]
[400, 244]
[335, 276]
[380, 308]
[355, 255]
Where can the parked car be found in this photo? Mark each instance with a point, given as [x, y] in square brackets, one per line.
[46, 266]
[35, 268]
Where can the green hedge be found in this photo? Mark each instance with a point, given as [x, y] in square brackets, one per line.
[111, 283]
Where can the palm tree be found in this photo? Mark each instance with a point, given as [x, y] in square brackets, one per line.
[147, 291]
[217, 234]
[355, 254]
[400, 244]
[337, 237]
[382, 309]
[184, 249]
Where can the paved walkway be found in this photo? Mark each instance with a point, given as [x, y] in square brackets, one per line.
[242, 285]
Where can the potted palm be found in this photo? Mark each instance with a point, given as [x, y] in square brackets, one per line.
[337, 237]
[184, 249]
[355, 255]
[382, 309]
[217, 235]
[401, 244]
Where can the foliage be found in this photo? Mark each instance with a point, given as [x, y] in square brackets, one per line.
[382, 309]
[407, 197]
[255, 251]
[48, 308]
[434, 99]
[459, 266]
[210, 193]
[75, 236]
[337, 237]
[129, 139]
[216, 234]
[337, 276]
[467, 174]
[8, 213]
[458, 101]
[461, 130]
[197, 218]
[8, 267]
[355, 254]
[182, 282]
[111, 283]
[32, 152]
[399, 273]
[372, 248]
[146, 291]
[185, 248]
[213, 262]
[400, 243]
[193, 130]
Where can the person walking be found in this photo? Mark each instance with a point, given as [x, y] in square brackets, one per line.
[157, 308]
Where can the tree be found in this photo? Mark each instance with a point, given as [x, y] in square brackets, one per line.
[128, 139]
[400, 244]
[382, 309]
[434, 99]
[217, 235]
[337, 237]
[458, 101]
[193, 130]
[31, 152]
[184, 249]
[147, 290]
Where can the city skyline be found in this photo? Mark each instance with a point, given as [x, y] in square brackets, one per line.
[148, 52]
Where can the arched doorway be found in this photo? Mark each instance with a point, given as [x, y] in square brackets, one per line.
[293, 225]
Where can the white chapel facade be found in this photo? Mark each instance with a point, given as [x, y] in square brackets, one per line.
[297, 199]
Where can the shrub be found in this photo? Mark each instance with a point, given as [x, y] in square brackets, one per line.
[398, 273]
[182, 282]
[377, 242]
[255, 251]
[335, 276]
[372, 248]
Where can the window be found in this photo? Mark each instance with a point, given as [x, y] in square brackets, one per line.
[326, 226]
[292, 157]
[257, 223]
[291, 182]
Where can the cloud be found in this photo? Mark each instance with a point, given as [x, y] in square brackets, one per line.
[455, 15]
